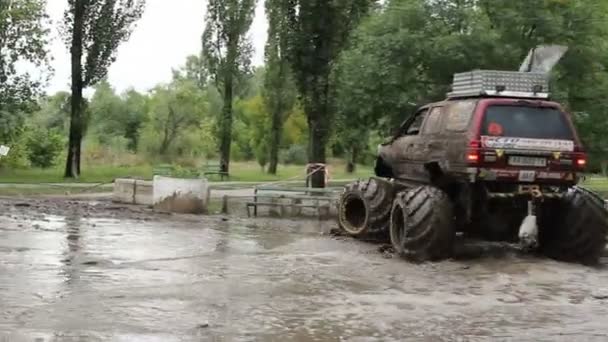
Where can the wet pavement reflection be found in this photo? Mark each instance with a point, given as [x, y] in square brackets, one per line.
[78, 278]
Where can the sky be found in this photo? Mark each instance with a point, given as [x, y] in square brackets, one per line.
[168, 32]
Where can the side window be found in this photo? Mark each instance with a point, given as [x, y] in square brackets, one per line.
[415, 124]
[433, 122]
[459, 115]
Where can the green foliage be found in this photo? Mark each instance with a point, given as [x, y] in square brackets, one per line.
[279, 87]
[317, 32]
[174, 109]
[227, 55]
[294, 154]
[405, 56]
[93, 30]
[54, 112]
[226, 49]
[115, 115]
[23, 39]
[102, 26]
[295, 129]
[251, 131]
[44, 146]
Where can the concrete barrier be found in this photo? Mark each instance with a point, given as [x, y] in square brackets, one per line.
[144, 192]
[187, 196]
[131, 191]
[124, 190]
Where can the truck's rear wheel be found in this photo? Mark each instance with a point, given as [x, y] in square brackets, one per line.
[574, 228]
[422, 224]
[365, 207]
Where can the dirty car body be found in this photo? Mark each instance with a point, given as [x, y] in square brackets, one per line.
[497, 161]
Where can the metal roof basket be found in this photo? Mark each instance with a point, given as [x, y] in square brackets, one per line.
[479, 83]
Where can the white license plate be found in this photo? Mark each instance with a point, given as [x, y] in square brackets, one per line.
[527, 176]
[527, 161]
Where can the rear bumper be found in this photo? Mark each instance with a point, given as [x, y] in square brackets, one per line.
[542, 177]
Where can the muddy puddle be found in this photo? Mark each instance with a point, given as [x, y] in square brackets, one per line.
[82, 272]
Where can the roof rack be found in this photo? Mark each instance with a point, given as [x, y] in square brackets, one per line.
[480, 83]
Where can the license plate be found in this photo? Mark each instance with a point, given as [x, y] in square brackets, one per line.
[527, 161]
[527, 176]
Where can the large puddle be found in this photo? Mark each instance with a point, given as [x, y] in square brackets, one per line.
[68, 278]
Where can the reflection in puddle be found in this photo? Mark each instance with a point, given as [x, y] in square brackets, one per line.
[49, 223]
[100, 279]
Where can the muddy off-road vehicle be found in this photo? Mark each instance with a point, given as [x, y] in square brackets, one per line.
[496, 160]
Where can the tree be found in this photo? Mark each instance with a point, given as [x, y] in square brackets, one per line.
[194, 70]
[118, 116]
[23, 41]
[318, 30]
[406, 55]
[174, 108]
[54, 112]
[227, 54]
[93, 31]
[279, 88]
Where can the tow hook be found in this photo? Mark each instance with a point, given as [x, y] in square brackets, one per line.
[528, 230]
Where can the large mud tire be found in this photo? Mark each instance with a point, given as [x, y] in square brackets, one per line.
[574, 228]
[422, 225]
[365, 207]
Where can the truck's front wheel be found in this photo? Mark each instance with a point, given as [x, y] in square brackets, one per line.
[365, 207]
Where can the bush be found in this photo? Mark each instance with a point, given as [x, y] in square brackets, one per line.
[295, 154]
[44, 146]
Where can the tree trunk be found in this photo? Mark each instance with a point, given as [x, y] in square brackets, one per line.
[318, 122]
[72, 168]
[275, 139]
[226, 126]
[351, 165]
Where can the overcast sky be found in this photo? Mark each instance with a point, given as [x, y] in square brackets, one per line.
[168, 32]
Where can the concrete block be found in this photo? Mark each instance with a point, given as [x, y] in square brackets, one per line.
[144, 192]
[187, 196]
[124, 191]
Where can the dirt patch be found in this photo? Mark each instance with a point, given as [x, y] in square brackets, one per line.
[182, 203]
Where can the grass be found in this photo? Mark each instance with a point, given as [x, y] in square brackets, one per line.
[14, 191]
[240, 172]
[91, 174]
[597, 183]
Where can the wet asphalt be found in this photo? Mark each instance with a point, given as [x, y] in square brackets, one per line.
[94, 272]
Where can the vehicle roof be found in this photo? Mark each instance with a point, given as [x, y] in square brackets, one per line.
[496, 99]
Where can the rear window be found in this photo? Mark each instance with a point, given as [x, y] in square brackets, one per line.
[526, 122]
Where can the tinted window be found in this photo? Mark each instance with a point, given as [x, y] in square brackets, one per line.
[433, 123]
[414, 127]
[459, 115]
[526, 122]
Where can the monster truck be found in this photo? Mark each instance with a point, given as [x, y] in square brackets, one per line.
[497, 152]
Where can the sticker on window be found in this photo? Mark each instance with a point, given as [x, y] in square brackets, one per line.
[495, 129]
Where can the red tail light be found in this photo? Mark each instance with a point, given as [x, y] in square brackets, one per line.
[581, 161]
[473, 155]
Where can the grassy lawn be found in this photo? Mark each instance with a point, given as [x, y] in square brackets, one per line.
[91, 174]
[597, 183]
[240, 171]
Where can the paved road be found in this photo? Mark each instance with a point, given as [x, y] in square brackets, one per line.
[74, 271]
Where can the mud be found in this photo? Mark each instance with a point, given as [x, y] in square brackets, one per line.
[181, 203]
[92, 271]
